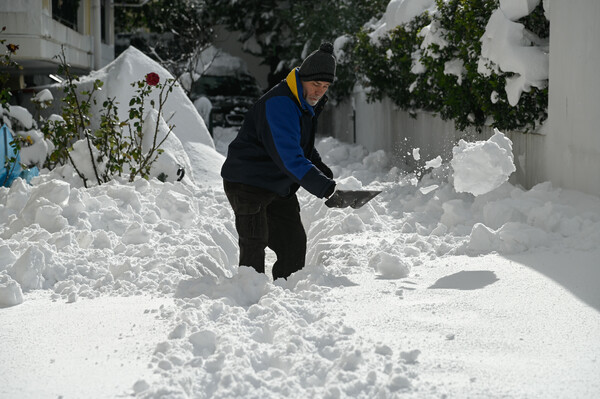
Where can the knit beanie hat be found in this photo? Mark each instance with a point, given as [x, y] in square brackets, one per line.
[319, 65]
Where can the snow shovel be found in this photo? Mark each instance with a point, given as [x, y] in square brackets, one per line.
[350, 198]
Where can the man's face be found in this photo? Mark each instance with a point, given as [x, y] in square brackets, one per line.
[314, 90]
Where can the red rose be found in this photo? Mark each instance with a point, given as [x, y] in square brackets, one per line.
[152, 79]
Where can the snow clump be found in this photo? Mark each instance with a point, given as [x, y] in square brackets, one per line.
[482, 166]
[10, 291]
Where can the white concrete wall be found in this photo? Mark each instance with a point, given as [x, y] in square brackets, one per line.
[568, 152]
[572, 153]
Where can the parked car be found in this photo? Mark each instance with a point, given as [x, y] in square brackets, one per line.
[222, 100]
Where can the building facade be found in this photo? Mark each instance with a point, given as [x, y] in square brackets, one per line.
[43, 29]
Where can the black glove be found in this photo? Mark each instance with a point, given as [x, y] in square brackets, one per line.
[329, 191]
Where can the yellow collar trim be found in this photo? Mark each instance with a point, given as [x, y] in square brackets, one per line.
[293, 84]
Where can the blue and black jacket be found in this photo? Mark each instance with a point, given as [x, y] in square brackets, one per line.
[275, 147]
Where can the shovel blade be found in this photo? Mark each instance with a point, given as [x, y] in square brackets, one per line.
[350, 198]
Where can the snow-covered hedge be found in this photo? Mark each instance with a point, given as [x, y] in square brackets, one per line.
[477, 62]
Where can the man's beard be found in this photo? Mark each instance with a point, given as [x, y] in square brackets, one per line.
[311, 100]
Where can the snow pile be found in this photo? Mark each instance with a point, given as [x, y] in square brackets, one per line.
[480, 167]
[277, 343]
[122, 227]
[35, 153]
[82, 159]
[465, 207]
[131, 66]
[174, 156]
[356, 163]
[234, 332]
[389, 266]
[201, 162]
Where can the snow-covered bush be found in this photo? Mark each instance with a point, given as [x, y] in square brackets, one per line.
[116, 147]
[475, 62]
[92, 141]
[386, 66]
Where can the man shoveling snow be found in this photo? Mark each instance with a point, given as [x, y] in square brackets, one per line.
[271, 157]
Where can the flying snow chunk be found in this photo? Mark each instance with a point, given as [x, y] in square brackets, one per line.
[482, 166]
[434, 163]
[428, 189]
[416, 154]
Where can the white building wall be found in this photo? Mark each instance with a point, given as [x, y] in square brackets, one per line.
[29, 25]
[572, 152]
[39, 37]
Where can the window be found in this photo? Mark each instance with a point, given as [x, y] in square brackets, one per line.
[103, 21]
[65, 12]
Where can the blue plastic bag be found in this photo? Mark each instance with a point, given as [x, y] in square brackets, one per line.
[9, 171]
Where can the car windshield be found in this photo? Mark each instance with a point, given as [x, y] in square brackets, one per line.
[241, 85]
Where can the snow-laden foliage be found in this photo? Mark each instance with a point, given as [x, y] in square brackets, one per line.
[476, 62]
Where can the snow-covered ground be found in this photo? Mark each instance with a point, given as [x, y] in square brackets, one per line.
[134, 290]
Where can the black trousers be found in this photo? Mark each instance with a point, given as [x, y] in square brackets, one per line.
[264, 219]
